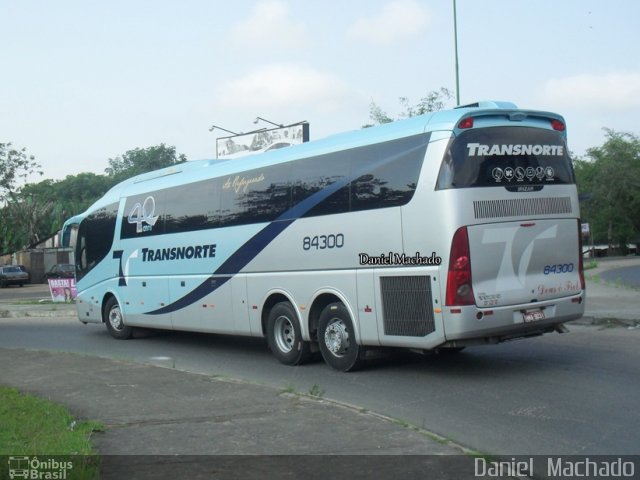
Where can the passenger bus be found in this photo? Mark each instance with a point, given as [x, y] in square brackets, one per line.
[455, 228]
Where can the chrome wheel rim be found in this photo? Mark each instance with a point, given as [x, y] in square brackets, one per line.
[336, 337]
[115, 318]
[285, 335]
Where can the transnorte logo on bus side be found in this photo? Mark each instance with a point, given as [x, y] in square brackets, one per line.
[188, 252]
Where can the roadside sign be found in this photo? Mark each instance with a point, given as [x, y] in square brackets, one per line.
[63, 289]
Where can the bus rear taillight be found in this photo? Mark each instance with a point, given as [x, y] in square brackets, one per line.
[459, 289]
[466, 123]
[583, 285]
[557, 125]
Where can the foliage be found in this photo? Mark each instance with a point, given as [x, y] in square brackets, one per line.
[28, 215]
[39, 210]
[15, 164]
[609, 185]
[142, 160]
[71, 195]
[434, 101]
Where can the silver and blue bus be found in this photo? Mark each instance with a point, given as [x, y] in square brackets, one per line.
[451, 229]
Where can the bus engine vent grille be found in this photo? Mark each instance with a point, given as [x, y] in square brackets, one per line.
[407, 308]
[518, 207]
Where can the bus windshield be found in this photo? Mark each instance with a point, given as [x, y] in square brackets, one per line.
[517, 158]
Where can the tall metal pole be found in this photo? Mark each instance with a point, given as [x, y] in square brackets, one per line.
[455, 34]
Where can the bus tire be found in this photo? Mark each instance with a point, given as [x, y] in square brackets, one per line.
[114, 320]
[336, 338]
[284, 335]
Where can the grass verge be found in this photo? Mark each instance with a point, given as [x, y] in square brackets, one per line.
[37, 428]
[590, 264]
[33, 426]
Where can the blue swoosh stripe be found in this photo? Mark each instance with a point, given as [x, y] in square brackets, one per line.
[250, 249]
[247, 252]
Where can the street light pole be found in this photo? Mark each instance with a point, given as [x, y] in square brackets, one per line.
[455, 34]
[268, 121]
[213, 127]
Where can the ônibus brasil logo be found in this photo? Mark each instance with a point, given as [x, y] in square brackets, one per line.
[34, 468]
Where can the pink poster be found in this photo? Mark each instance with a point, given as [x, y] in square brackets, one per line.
[63, 289]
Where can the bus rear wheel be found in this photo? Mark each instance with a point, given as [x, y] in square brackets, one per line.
[114, 320]
[336, 338]
[284, 335]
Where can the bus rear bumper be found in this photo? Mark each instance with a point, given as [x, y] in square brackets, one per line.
[472, 325]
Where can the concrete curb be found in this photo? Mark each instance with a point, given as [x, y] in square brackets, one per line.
[605, 321]
[10, 310]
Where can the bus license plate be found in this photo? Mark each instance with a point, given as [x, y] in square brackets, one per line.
[533, 316]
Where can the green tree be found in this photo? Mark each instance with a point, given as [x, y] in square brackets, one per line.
[38, 210]
[70, 196]
[432, 102]
[142, 160]
[609, 183]
[15, 165]
[28, 218]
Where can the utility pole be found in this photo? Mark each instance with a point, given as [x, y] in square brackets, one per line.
[455, 40]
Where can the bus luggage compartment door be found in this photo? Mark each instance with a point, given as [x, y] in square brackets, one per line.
[524, 261]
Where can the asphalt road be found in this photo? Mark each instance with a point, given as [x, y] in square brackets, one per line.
[626, 275]
[27, 292]
[558, 394]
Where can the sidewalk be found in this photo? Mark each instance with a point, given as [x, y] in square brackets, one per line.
[607, 301]
[150, 410]
[8, 309]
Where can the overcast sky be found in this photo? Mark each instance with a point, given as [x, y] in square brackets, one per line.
[85, 81]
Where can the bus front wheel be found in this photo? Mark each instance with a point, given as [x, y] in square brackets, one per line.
[285, 337]
[114, 320]
[336, 337]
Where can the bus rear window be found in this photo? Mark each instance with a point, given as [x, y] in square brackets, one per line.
[517, 158]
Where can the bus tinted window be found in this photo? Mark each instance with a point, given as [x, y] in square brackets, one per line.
[385, 174]
[95, 236]
[517, 158]
[255, 196]
[193, 209]
[375, 176]
[316, 174]
[388, 185]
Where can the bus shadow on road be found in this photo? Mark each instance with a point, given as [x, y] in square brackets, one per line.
[512, 358]
[507, 359]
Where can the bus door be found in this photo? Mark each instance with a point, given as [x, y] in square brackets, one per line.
[143, 288]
